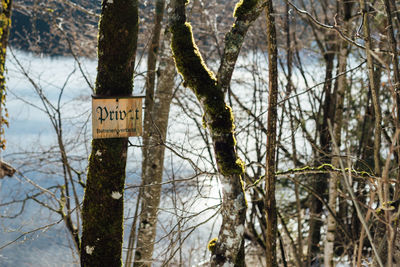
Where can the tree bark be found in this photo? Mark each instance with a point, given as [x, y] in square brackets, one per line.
[374, 88]
[5, 24]
[319, 184]
[151, 77]
[380, 258]
[153, 171]
[153, 152]
[393, 228]
[270, 202]
[395, 59]
[102, 212]
[334, 177]
[341, 84]
[218, 117]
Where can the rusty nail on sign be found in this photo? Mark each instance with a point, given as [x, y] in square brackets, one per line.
[118, 116]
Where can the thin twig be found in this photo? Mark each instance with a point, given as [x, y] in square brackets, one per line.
[30, 232]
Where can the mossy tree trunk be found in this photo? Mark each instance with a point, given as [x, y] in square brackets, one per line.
[218, 117]
[270, 202]
[5, 24]
[102, 212]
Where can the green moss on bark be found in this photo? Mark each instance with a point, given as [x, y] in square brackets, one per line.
[102, 212]
[117, 46]
[219, 120]
[217, 115]
[244, 7]
[228, 163]
[5, 24]
[189, 61]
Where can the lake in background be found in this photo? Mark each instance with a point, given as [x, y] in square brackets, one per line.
[31, 140]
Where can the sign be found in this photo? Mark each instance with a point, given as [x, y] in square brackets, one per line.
[116, 117]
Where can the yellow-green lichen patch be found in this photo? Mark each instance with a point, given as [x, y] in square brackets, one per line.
[227, 160]
[211, 244]
[5, 22]
[204, 122]
[324, 168]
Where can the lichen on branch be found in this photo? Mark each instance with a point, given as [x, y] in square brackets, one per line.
[243, 7]
[218, 116]
[5, 24]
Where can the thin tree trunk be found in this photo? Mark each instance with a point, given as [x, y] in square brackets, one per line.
[374, 88]
[219, 121]
[270, 202]
[150, 164]
[153, 171]
[393, 244]
[132, 233]
[102, 212]
[150, 78]
[337, 128]
[289, 59]
[320, 184]
[5, 25]
[395, 60]
[378, 127]
[334, 177]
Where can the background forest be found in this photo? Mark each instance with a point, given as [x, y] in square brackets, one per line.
[305, 172]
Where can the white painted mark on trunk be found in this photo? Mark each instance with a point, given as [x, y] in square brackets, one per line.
[116, 195]
[89, 250]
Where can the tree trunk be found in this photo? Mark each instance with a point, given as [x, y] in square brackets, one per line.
[374, 88]
[102, 212]
[153, 171]
[334, 177]
[319, 184]
[379, 258]
[229, 249]
[341, 84]
[219, 121]
[270, 203]
[5, 24]
[150, 79]
[210, 92]
[396, 77]
[153, 152]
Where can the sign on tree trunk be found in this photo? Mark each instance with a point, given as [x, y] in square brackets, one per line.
[116, 117]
